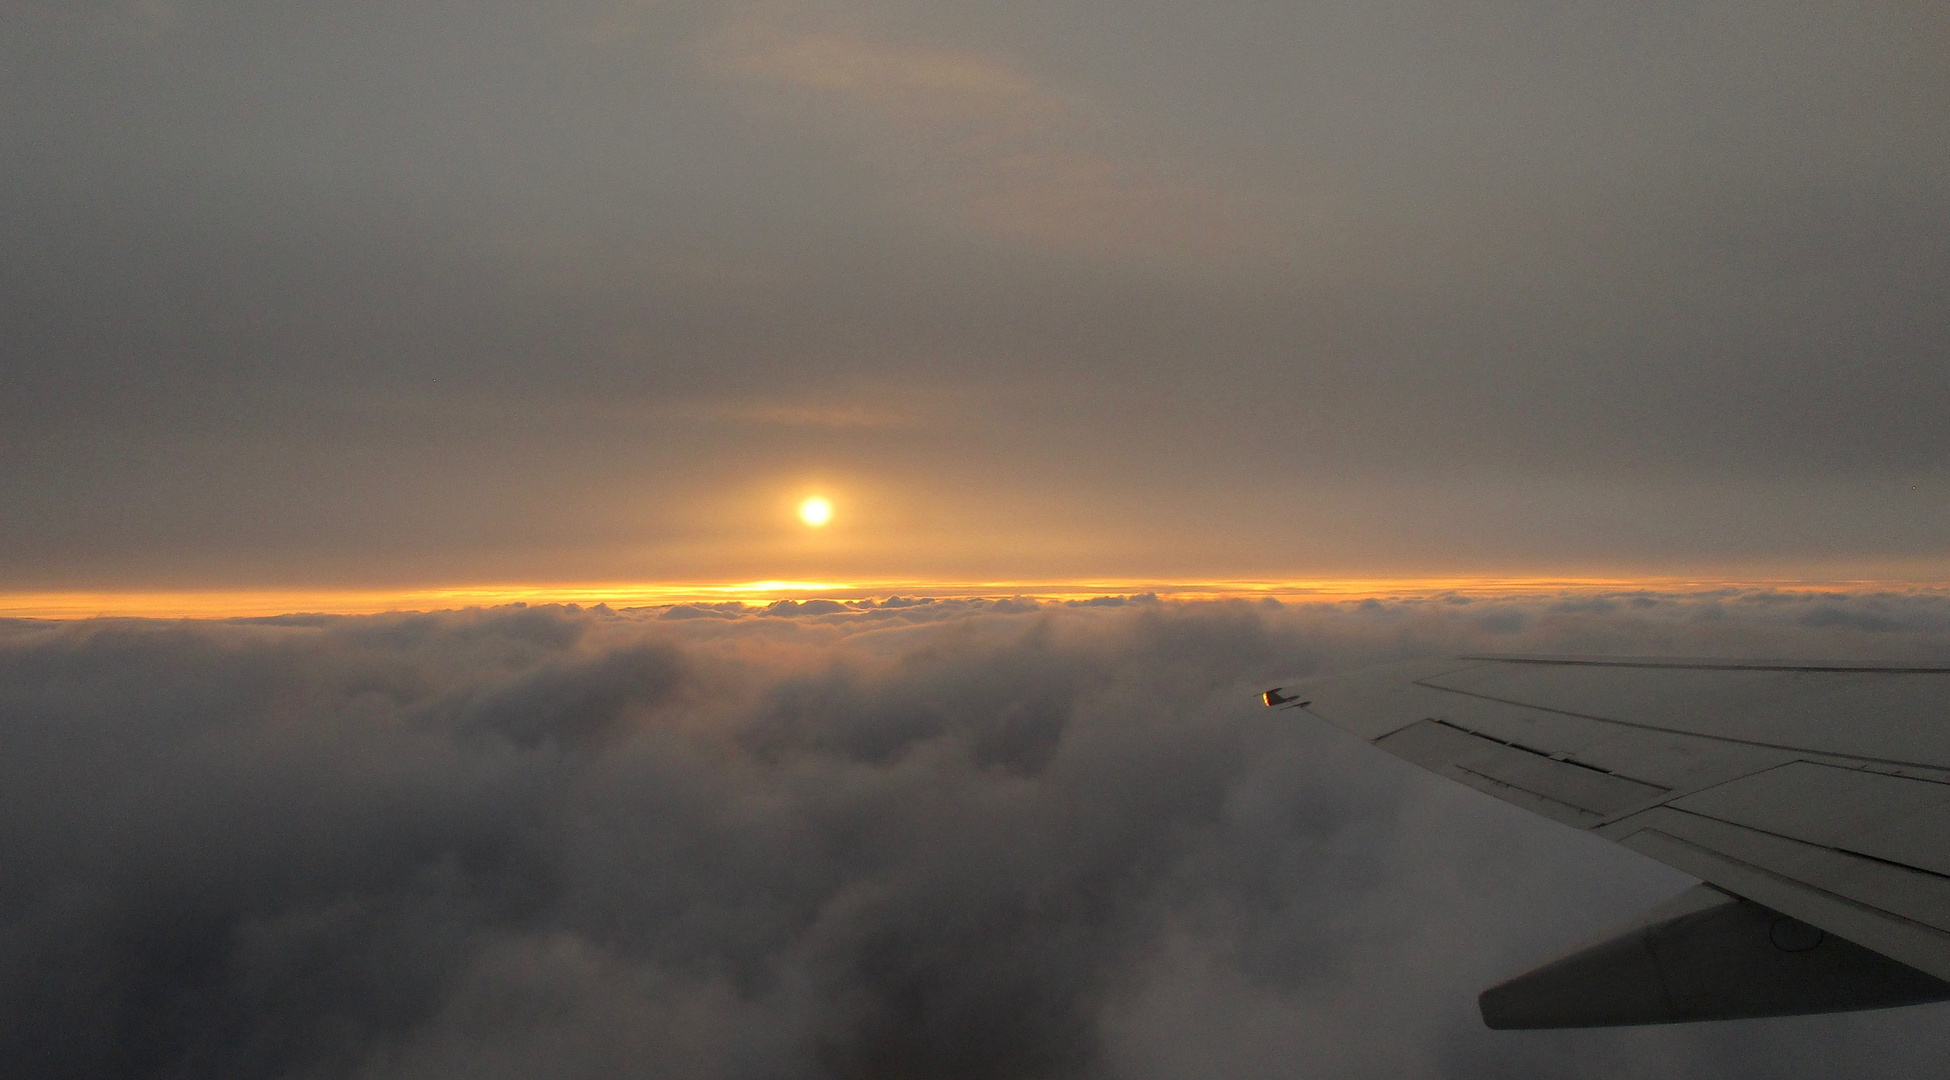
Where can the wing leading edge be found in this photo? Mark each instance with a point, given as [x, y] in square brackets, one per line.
[1813, 800]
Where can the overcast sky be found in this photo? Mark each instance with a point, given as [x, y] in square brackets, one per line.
[415, 291]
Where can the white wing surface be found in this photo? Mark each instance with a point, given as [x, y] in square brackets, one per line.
[1813, 799]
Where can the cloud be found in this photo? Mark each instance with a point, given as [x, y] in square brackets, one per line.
[972, 135]
[874, 410]
[923, 85]
[144, 19]
[957, 838]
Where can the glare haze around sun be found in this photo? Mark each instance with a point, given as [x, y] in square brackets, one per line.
[815, 511]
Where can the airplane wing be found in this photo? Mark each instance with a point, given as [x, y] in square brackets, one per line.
[1812, 801]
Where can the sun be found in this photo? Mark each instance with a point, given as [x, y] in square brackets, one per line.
[815, 511]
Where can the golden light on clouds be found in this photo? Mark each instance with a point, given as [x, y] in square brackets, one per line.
[816, 511]
[243, 603]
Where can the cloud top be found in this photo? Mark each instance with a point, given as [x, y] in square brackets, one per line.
[965, 839]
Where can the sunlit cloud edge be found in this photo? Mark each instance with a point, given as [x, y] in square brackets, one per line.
[244, 603]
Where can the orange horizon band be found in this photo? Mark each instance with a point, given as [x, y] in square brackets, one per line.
[245, 603]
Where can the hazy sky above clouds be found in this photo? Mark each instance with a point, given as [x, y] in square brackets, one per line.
[409, 292]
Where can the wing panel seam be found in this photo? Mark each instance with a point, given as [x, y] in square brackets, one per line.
[1580, 811]
[1784, 879]
[1678, 731]
[1545, 754]
[1809, 843]
[1705, 665]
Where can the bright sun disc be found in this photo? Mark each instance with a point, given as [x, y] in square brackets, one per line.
[815, 511]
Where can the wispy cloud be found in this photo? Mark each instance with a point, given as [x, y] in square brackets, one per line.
[867, 412]
[143, 20]
[918, 84]
[970, 135]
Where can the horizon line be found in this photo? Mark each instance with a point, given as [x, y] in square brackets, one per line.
[232, 603]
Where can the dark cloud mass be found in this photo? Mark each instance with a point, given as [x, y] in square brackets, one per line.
[953, 839]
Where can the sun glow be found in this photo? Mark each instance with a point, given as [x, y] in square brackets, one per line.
[241, 603]
[815, 511]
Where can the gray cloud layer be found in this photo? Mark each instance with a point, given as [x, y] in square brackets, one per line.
[341, 291]
[924, 839]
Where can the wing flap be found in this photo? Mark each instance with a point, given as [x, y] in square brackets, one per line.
[1673, 760]
[1889, 818]
[1894, 910]
[1578, 794]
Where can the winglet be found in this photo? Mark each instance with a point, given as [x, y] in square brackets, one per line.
[1274, 697]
